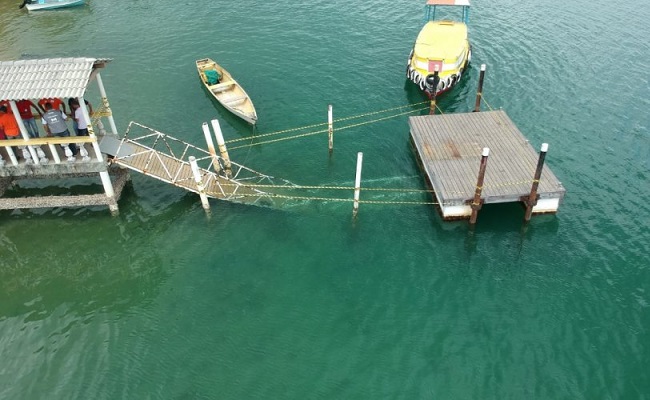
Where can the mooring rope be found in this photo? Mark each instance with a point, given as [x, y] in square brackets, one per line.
[325, 130]
[325, 123]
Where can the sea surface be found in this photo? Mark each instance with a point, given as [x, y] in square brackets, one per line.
[301, 301]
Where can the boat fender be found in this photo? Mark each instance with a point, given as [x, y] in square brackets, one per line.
[422, 85]
[408, 71]
[442, 85]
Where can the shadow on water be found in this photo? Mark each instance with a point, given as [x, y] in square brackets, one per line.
[86, 259]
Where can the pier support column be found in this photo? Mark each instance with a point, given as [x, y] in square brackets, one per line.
[330, 129]
[531, 201]
[477, 203]
[104, 175]
[357, 185]
[199, 183]
[227, 166]
[102, 92]
[479, 92]
[210, 143]
[29, 154]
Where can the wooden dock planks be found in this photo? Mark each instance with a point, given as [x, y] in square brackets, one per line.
[172, 170]
[449, 148]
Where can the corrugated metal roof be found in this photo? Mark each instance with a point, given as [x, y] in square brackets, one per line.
[51, 77]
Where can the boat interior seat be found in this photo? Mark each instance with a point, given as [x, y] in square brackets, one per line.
[235, 100]
[220, 87]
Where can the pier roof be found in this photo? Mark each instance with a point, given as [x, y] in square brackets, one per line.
[50, 77]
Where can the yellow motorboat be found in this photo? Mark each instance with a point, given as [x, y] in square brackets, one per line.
[442, 48]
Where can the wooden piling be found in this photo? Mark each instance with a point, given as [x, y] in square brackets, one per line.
[211, 149]
[357, 185]
[199, 183]
[330, 128]
[477, 202]
[532, 197]
[479, 92]
[222, 147]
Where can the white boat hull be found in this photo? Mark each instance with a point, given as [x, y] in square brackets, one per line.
[53, 4]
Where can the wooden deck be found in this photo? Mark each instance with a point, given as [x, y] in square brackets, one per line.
[449, 146]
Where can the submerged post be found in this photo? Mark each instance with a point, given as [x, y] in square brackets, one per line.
[213, 153]
[222, 147]
[477, 202]
[199, 183]
[357, 185]
[479, 92]
[330, 128]
[532, 197]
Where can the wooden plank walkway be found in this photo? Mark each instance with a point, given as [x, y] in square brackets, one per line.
[449, 147]
[172, 170]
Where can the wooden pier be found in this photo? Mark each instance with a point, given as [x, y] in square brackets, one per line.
[449, 149]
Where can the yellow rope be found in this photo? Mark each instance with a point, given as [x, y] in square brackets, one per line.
[325, 130]
[336, 199]
[324, 123]
[303, 187]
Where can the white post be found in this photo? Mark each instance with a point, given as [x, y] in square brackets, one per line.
[213, 152]
[29, 154]
[222, 147]
[199, 183]
[12, 156]
[102, 92]
[55, 154]
[330, 128]
[105, 177]
[357, 185]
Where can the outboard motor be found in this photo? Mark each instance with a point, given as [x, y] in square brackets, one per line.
[431, 83]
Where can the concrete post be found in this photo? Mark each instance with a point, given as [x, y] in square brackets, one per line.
[357, 185]
[199, 183]
[210, 143]
[29, 154]
[330, 128]
[222, 147]
[102, 92]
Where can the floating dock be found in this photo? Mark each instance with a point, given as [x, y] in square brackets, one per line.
[450, 147]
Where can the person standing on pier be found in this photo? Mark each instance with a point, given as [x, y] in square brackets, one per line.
[54, 124]
[25, 110]
[8, 124]
[80, 125]
[55, 102]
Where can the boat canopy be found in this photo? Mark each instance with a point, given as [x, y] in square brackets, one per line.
[464, 3]
[430, 8]
[50, 77]
[441, 40]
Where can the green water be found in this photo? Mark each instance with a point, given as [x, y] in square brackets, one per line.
[300, 302]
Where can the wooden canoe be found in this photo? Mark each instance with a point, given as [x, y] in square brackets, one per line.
[227, 91]
[37, 5]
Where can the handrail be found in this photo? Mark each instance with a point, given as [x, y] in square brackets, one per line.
[46, 140]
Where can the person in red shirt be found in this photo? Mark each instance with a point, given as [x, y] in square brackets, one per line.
[6, 104]
[8, 124]
[56, 104]
[25, 110]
